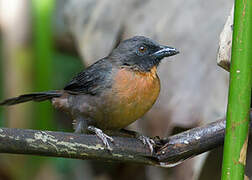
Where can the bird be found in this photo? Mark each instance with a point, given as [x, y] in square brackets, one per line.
[113, 92]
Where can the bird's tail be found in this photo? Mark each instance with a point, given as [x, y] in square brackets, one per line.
[39, 96]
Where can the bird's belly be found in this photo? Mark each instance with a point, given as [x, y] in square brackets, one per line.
[132, 96]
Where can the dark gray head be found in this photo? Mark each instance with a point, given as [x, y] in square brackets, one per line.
[141, 53]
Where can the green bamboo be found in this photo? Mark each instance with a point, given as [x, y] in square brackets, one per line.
[236, 138]
[43, 10]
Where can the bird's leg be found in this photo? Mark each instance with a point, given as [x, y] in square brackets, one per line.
[80, 125]
[104, 137]
[145, 140]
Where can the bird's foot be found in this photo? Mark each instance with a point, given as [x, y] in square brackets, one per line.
[147, 141]
[144, 139]
[104, 137]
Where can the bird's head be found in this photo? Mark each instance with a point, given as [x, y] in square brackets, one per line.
[141, 53]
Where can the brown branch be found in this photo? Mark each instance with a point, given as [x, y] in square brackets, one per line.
[71, 145]
[169, 152]
[191, 143]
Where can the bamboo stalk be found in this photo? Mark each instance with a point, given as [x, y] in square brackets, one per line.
[44, 55]
[236, 137]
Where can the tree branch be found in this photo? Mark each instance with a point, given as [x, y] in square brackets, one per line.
[191, 143]
[168, 152]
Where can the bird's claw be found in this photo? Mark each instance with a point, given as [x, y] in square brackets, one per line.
[147, 141]
[104, 137]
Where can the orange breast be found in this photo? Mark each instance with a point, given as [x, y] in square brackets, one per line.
[134, 93]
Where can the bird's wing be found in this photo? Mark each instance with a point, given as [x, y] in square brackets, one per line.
[92, 80]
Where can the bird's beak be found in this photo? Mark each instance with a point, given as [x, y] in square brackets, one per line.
[165, 51]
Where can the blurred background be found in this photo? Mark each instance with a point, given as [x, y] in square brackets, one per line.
[44, 43]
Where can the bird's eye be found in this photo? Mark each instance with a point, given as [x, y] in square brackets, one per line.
[142, 49]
